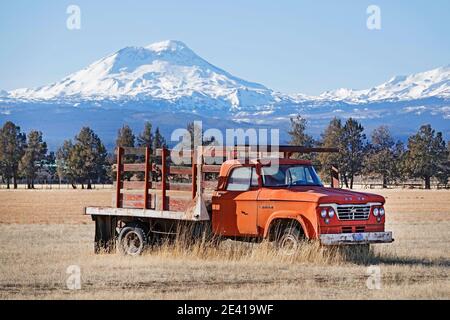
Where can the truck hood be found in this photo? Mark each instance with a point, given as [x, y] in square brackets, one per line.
[321, 195]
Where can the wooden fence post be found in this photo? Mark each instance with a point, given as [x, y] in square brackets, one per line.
[118, 175]
[164, 177]
[147, 176]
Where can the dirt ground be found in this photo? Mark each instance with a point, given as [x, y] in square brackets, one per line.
[43, 232]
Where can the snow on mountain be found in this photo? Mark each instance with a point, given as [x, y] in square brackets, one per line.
[170, 71]
[166, 70]
[169, 84]
[433, 83]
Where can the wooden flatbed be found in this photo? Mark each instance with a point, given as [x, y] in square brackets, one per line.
[157, 192]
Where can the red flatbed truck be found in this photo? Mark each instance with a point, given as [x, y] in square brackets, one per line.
[247, 200]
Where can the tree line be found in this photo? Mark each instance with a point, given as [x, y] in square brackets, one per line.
[21, 155]
[84, 159]
[426, 155]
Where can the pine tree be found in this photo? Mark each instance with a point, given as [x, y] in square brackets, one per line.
[33, 157]
[427, 156]
[158, 140]
[76, 165]
[12, 145]
[331, 138]
[50, 165]
[299, 137]
[110, 172]
[145, 139]
[64, 168]
[125, 137]
[353, 150]
[383, 156]
[93, 156]
[298, 134]
[195, 135]
[444, 174]
[83, 161]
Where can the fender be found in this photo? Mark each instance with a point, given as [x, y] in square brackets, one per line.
[307, 226]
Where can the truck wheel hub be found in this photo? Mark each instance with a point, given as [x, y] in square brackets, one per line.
[289, 244]
[132, 243]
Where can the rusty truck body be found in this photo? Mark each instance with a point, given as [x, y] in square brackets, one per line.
[260, 195]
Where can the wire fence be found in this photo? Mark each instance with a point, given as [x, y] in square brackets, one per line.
[413, 184]
[57, 186]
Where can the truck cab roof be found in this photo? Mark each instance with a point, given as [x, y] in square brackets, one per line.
[229, 164]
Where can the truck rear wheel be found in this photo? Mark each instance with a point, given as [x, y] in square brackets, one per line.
[289, 240]
[132, 240]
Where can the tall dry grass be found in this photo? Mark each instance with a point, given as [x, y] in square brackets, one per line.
[204, 247]
[34, 259]
[41, 234]
[229, 251]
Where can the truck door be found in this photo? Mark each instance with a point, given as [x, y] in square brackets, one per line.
[237, 211]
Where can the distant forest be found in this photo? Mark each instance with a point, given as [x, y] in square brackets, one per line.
[84, 160]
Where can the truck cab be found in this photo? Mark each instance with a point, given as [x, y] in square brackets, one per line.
[288, 203]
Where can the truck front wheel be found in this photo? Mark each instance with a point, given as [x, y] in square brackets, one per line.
[289, 240]
[132, 240]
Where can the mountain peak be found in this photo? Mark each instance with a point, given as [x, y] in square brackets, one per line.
[166, 70]
[397, 79]
[173, 51]
[167, 45]
[426, 84]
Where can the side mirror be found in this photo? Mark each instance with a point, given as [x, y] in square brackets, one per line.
[334, 175]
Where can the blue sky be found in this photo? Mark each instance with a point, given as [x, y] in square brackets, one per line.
[290, 46]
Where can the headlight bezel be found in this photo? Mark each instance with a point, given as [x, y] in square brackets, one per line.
[376, 211]
[331, 212]
[326, 213]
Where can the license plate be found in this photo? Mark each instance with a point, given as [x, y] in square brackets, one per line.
[358, 237]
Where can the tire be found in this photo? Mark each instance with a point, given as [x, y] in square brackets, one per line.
[132, 240]
[289, 240]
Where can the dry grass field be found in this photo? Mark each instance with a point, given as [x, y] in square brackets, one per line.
[44, 232]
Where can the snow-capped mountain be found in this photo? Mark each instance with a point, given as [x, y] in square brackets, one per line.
[433, 83]
[166, 70]
[170, 71]
[169, 84]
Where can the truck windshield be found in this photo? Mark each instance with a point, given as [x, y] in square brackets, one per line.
[291, 175]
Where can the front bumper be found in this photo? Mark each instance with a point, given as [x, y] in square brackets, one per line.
[356, 238]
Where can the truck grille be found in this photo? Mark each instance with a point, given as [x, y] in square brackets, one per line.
[353, 212]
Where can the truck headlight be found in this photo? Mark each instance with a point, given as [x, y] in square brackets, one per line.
[323, 213]
[382, 212]
[376, 211]
[331, 213]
